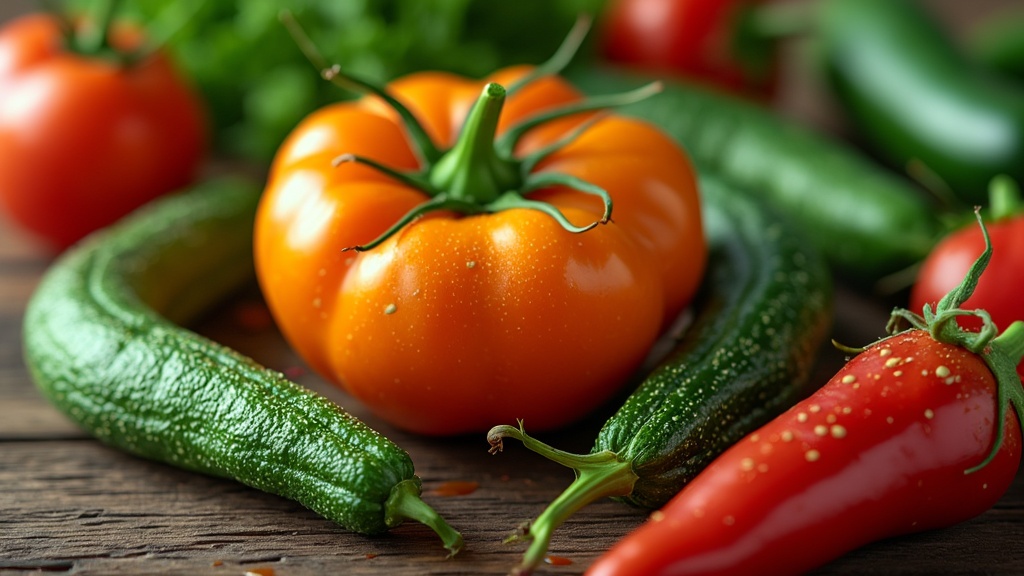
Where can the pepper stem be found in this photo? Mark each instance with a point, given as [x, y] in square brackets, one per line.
[404, 503]
[598, 475]
[1004, 353]
[1001, 352]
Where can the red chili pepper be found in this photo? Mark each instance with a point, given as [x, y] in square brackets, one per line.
[998, 292]
[914, 433]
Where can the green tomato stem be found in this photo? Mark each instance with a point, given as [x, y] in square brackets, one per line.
[424, 147]
[598, 475]
[480, 173]
[472, 170]
[405, 503]
[507, 143]
[561, 58]
[98, 40]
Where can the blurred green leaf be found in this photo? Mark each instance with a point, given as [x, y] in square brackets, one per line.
[259, 85]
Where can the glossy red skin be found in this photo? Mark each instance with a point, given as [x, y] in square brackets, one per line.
[999, 288]
[83, 140]
[690, 38]
[879, 451]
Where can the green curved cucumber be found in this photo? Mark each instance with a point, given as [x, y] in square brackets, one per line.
[914, 95]
[763, 310]
[104, 341]
[868, 222]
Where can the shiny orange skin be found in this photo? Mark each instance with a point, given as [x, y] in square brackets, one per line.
[460, 322]
[84, 139]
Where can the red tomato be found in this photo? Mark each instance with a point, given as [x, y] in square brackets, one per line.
[705, 40]
[999, 289]
[86, 139]
[879, 451]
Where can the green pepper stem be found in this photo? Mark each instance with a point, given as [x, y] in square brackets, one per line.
[958, 295]
[598, 475]
[405, 503]
[1000, 352]
[472, 169]
[1002, 356]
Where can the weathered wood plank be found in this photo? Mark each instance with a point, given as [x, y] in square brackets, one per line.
[81, 502]
[76, 505]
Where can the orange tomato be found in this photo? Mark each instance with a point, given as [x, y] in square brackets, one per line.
[477, 314]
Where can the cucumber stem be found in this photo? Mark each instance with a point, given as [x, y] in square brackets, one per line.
[598, 475]
[405, 503]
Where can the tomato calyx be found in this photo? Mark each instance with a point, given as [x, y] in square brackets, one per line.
[95, 35]
[1001, 352]
[481, 173]
[598, 475]
[92, 38]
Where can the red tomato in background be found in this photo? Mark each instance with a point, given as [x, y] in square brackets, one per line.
[709, 41]
[999, 289]
[85, 139]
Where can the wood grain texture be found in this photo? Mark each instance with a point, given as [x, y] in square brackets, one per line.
[72, 505]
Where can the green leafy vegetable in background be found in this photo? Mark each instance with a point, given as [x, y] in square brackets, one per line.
[258, 84]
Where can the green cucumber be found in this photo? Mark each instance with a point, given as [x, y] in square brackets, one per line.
[914, 95]
[762, 312]
[868, 222]
[104, 342]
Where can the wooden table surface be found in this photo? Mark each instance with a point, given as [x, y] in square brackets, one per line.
[71, 505]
